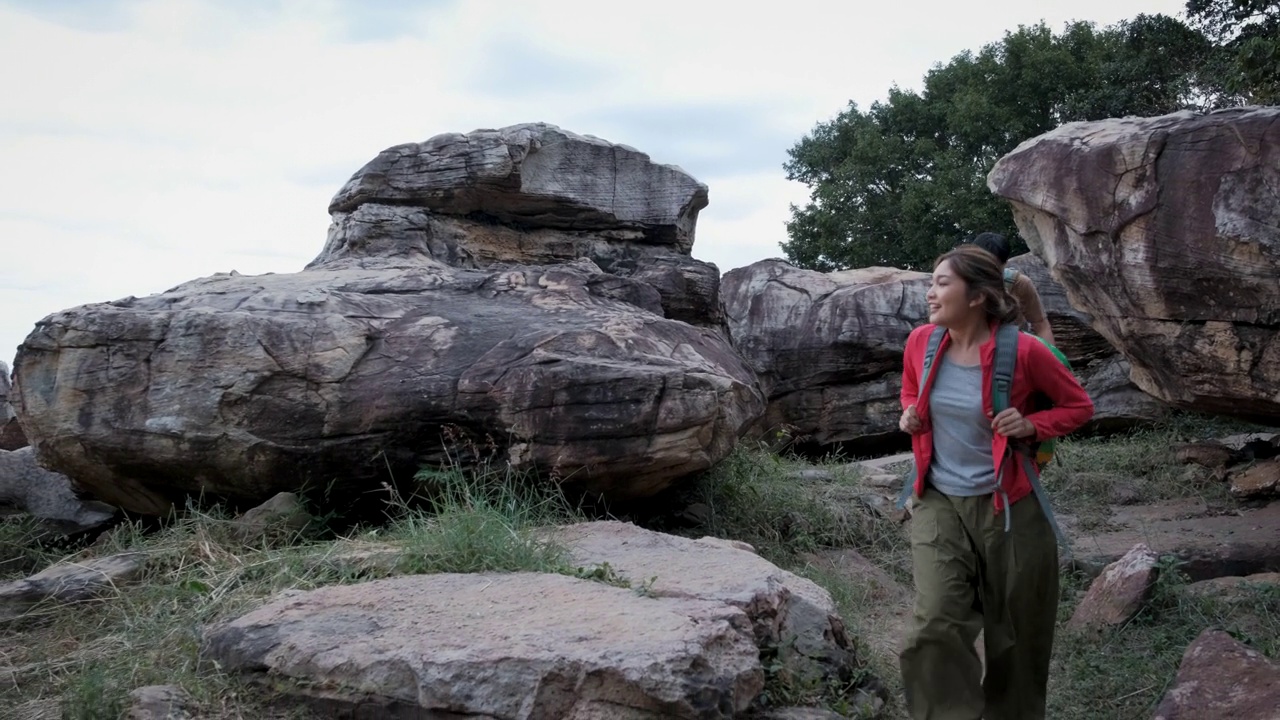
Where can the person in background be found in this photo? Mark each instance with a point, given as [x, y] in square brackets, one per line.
[983, 552]
[1018, 285]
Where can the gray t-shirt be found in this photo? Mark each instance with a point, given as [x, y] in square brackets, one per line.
[962, 461]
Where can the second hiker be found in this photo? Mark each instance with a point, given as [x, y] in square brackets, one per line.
[1030, 309]
[983, 550]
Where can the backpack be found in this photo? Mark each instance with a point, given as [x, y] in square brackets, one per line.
[1034, 456]
[1010, 277]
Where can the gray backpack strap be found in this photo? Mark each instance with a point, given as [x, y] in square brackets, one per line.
[1006, 362]
[930, 353]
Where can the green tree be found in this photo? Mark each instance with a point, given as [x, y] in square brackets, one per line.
[1247, 36]
[905, 179]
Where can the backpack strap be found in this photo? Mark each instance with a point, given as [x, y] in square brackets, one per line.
[930, 354]
[1010, 277]
[1006, 362]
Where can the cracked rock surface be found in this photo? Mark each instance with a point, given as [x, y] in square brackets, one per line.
[1166, 232]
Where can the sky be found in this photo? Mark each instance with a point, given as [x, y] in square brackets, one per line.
[144, 143]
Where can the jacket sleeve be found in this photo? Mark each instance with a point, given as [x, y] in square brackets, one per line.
[912, 358]
[1071, 404]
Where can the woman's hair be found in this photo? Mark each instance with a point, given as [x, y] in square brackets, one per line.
[984, 277]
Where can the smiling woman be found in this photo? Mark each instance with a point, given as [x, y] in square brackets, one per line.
[971, 511]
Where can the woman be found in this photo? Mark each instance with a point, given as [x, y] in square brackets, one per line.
[984, 555]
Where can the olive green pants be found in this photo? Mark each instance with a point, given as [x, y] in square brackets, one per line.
[972, 576]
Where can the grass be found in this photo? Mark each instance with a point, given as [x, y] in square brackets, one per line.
[1124, 673]
[80, 661]
[1090, 475]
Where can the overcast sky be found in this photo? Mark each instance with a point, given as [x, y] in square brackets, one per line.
[146, 143]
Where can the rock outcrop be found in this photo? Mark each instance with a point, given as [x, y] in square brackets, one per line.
[426, 313]
[826, 346]
[1166, 231]
[1118, 403]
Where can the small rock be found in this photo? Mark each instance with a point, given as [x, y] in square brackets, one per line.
[1222, 679]
[883, 480]
[281, 517]
[1262, 479]
[159, 702]
[47, 495]
[1232, 586]
[69, 582]
[1206, 454]
[1125, 493]
[1119, 592]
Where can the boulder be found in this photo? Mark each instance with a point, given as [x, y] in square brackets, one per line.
[497, 645]
[1221, 678]
[1233, 587]
[1073, 331]
[1165, 231]
[47, 495]
[530, 194]
[425, 313]
[1118, 403]
[826, 346]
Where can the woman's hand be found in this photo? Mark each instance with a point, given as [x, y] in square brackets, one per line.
[1010, 423]
[910, 421]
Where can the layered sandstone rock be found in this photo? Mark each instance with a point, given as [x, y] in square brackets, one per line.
[1166, 231]
[450, 299]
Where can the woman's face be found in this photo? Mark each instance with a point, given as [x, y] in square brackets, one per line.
[948, 297]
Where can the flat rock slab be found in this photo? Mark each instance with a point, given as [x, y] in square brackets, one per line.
[1220, 678]
[788, 612]
[516, 645]
[69, 582]
[1209, 543]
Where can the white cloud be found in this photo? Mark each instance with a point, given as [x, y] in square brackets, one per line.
[150, 142]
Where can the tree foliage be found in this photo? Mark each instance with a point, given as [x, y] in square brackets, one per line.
[905, 179]
[1247, 38]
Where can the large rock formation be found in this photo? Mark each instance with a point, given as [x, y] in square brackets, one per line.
[827, 346]
[1167, 232]
[422, 314]
[1118, 403]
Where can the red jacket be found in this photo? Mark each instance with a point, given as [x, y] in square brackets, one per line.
[1037, 370]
